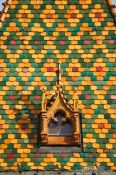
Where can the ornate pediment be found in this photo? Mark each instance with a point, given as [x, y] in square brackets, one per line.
[57, 106]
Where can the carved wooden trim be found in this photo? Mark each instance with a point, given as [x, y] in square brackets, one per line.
[59, 103]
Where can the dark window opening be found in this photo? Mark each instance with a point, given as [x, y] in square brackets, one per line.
[59, 125]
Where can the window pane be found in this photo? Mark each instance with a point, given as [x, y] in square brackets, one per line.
[66, 129]
[58, 127]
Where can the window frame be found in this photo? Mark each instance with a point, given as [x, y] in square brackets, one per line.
[59, 103]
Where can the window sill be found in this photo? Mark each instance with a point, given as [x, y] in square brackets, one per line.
[59, 149]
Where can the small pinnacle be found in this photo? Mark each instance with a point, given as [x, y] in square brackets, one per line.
[75, 88]
[44, 88]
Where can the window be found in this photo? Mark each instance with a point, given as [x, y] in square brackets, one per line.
[58, 126]
[59, 130]
[60, 121]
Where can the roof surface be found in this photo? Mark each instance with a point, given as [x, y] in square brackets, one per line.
[34, 37]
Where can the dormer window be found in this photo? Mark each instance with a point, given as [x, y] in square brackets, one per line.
[60, 121]
[59, 130]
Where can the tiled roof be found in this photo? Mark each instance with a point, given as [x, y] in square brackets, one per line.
[34, 36]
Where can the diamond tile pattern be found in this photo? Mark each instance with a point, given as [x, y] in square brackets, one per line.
[35, 36]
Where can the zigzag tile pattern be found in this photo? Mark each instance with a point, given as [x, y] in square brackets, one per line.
[36, 35]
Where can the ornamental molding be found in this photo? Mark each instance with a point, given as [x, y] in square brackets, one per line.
[59, 103]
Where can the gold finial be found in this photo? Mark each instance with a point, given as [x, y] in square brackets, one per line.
[58, 72]
[43, 89]
[75, 99]
[44, 100]
[75, 89]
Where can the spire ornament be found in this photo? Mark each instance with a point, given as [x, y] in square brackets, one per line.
[75, 100]
[56, 109]
[58, 73]
[44, 100]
